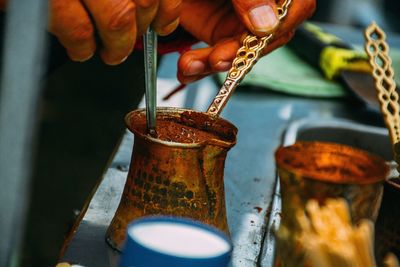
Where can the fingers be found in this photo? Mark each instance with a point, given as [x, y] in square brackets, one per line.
[146, 10]
[167, 18]
[70, 23]
[210, 21]
[196, 64]
[298, 12]
[163, 15]
[259, 16]
[193, 65]
[116, 24]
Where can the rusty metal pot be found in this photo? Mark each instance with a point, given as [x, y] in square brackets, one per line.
[320, 170]
[175, 178]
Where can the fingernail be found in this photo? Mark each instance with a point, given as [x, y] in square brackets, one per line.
[111, 58]
[122, 60]
[223, 65]
[263, 18]
[195, 68]
[191, 79]
[114, 62]
[79, 57]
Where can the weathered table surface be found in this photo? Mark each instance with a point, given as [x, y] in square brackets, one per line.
[261, 118]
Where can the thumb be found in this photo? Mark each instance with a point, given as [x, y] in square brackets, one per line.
[259, 16]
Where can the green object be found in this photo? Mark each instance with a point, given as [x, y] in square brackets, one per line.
[328, 52]
[285, 72]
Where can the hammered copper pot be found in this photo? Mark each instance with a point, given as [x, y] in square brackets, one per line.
[171, 178]
[321, 170]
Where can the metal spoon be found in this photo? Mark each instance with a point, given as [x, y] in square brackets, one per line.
[150, 70]
[246, 57]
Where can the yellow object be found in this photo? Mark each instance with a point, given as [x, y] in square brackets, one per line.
[324, 37]
[329, 238]
[333, 60]
[390, 260]
[63, 264]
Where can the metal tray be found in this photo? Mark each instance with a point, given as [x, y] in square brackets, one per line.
[372, 139]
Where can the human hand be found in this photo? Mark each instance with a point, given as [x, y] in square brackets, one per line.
[116, 22]
[216, 23]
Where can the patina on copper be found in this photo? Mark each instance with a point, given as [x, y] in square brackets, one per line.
[318, 170]
[180, 173]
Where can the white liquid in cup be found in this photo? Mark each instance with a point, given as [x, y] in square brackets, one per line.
[180, 240]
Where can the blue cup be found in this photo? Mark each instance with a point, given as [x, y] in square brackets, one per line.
[176, 242]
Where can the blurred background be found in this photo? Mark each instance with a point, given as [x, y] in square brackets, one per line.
[81, 114]
[359, 13]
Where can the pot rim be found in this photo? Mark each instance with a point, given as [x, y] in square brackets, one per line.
[378, 175]
[177, 111]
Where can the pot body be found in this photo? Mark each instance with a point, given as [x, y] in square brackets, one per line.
[317, 170]
[178, 179]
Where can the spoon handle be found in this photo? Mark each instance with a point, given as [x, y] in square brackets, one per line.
[382, 71]
[150, 67]
[246, 57]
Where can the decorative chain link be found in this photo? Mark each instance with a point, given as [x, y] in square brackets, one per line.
[382, 71]
[245, 59]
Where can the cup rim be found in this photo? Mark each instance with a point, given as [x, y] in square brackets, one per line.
[182, 221]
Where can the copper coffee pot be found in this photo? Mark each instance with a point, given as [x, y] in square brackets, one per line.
[182, 174]
[175, 178]
[320, 171]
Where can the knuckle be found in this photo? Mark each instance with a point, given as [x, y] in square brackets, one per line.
[82, 32]
[69, 27]
[122, 16]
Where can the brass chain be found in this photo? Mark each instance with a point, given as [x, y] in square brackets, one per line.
[246, 57]
[382, 71]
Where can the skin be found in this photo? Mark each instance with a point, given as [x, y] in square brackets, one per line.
[117, 22]
[219, 23]
[223, 30]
